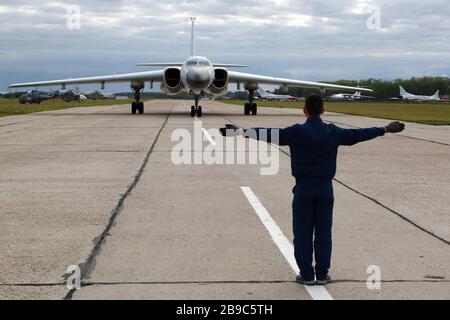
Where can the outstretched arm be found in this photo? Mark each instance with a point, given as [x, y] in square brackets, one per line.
[349, 137]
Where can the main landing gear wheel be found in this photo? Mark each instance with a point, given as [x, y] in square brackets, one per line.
[247, 109]
[251, 108]
[137, 106]
[140, 107]
[193, 112]
[254, 108]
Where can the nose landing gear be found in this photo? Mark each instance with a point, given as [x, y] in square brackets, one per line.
[196, 110]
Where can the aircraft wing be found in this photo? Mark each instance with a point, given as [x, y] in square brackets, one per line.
[257, 79]
[127, 77]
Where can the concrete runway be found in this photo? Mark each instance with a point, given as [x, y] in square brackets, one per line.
[96, 186]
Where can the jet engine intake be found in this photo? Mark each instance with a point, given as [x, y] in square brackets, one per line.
[172, 83]
[219, 86]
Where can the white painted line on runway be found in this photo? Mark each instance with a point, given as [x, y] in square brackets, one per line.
[283, 244]
[208, 136]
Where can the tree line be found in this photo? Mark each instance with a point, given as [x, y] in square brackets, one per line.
[385, 89]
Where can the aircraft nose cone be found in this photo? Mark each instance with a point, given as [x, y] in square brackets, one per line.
[197, 79]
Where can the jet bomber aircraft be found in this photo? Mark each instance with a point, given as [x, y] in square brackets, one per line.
[197, 76]
[406, 96]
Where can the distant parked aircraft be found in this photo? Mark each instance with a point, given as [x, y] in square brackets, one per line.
[417, 98]
[36, 97]
[98, 95]
[72, 95]
[275, 97]
[349, 97]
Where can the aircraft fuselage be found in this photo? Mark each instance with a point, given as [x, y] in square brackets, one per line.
[197, 74]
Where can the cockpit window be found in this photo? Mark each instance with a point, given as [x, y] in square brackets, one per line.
[201, 63]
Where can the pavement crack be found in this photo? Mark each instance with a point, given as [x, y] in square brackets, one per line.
[14, 123]
[37, 285]
[398, 214]
[87, 284]
[88, 266]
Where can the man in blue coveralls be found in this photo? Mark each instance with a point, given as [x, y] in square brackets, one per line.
[314, 147]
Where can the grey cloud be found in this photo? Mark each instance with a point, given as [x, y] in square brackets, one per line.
[332, 43]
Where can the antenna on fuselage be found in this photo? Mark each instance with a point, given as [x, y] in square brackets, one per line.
[193, 37]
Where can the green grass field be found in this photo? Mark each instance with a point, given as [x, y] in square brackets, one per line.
[9, 107]
[425, 113]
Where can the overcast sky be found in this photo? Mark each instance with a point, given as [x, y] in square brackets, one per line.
[301, 39]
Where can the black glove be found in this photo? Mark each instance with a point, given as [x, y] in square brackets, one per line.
[230, 130]
[395, 127]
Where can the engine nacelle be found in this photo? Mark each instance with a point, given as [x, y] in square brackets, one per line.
[251, 86]
[137, 85]
[219, 87]
[172, 83]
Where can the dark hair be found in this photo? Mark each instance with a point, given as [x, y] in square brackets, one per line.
[314, 105]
